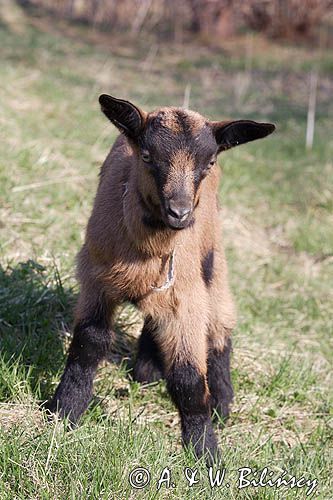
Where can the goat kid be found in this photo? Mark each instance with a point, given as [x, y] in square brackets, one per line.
[154, 239]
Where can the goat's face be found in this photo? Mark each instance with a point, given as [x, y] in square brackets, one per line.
[176, 150]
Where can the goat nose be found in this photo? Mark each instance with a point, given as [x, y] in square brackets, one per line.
[178, 211]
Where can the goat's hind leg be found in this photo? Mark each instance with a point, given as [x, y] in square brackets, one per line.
[90, 345]
[148, 365]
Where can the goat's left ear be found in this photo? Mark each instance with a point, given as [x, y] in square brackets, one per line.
[123, 114]
[234, 133]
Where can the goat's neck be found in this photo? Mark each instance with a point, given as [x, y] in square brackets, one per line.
[150, 241]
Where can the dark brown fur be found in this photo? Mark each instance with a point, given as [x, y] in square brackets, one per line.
[130, 236]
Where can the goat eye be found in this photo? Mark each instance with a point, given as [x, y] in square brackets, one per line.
[145, 156]
[212, 162]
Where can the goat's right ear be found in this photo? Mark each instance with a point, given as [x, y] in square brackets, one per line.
[123, 114]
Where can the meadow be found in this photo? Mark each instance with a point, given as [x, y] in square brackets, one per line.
[277, 200]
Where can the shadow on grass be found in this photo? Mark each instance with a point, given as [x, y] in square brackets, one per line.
[35, 314]
[35, 320]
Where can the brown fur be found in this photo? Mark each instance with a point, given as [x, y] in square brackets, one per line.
[130, 237]
[127, 267]
[180, 174]
[167, 119]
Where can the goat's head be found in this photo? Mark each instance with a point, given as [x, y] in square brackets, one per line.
[175, 150]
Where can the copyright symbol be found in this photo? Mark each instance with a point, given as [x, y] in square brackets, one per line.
[139, 478]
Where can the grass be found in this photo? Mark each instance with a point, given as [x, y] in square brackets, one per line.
[278, 226]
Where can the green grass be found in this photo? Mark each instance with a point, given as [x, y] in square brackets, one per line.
[278, 226]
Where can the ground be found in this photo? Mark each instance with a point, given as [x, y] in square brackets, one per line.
[278, 231]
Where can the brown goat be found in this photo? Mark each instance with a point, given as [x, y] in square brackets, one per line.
[154, 238]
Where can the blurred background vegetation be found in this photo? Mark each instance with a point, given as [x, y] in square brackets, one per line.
[205, 18]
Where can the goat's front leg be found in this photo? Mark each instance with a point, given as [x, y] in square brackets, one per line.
[187, 385]
[91, 343]
[222, 322]
[219, 378]
[183, 344]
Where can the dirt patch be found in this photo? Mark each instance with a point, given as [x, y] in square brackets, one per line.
[19, 414]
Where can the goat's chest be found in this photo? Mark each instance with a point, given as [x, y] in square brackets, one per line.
[141, 281]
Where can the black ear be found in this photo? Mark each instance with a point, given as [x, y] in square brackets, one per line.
[123, 114]
[234, 133]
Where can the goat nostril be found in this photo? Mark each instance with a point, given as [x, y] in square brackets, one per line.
[178, 212]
